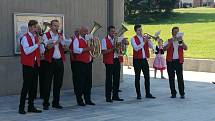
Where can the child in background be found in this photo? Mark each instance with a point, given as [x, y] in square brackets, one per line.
[125, 53]
[159, 62]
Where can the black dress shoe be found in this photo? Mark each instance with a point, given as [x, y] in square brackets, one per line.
[90, 103]
[109, 100]
[81, 104]
[34, 110]
[117, 99]
[150, 96]
[182, 97]
[45, 107]
[57, 106]
[21, 111]
[173, 96]
[139, 97]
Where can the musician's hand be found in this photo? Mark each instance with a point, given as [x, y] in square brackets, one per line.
[87, 49]
[64, 47]
[146, 39]
[49, 46]
[92, 48]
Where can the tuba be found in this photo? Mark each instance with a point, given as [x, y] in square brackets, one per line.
[118, 45]
[95, 42]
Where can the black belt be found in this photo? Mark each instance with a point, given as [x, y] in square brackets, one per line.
[139, 59]
[53, 59]
[175, 59]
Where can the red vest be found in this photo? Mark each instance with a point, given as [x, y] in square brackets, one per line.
[84, 56]
[170, 52]
[108, 58]
[72, 54]
[29, 59]
[138, 54]
[49, 52]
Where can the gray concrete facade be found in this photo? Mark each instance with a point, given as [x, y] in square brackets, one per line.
[76, 13]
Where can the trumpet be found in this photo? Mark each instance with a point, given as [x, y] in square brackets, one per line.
[155, 37]
[95, 42]
[150, 36]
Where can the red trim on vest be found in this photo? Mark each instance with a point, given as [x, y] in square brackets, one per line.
[49, 52]
[108, 58]
[84, 56]
[138, 54]
[170, 52]
[29, 59]
[72, 54]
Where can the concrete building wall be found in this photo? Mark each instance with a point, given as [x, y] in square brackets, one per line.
[76, 13]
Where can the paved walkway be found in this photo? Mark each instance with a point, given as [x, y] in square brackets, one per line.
[199, 104]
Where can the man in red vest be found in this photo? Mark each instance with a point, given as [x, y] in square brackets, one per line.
[54, 56]
[112, 61]
[30, 60]
[175, 59]
[83, 59]
[73, 59]
[42, 68]
[141, 45]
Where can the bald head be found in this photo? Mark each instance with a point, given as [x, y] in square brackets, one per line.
[83, 31]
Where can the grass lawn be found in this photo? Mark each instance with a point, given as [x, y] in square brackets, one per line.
[198, 25]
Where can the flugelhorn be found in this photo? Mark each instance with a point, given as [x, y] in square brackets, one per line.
[95, 42]
[119, 44]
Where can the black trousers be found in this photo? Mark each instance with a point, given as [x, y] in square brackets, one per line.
[141, 65]
[74, 75]
[83, 81]
[42, 77]
[112, 80]
[30, 77]
[173, 68]
[55, 71]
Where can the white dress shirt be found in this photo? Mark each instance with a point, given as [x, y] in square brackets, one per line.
[29, 49]
[104, 45]
[141, 45]
[54, 38]
[76, 47]
[175, 46]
